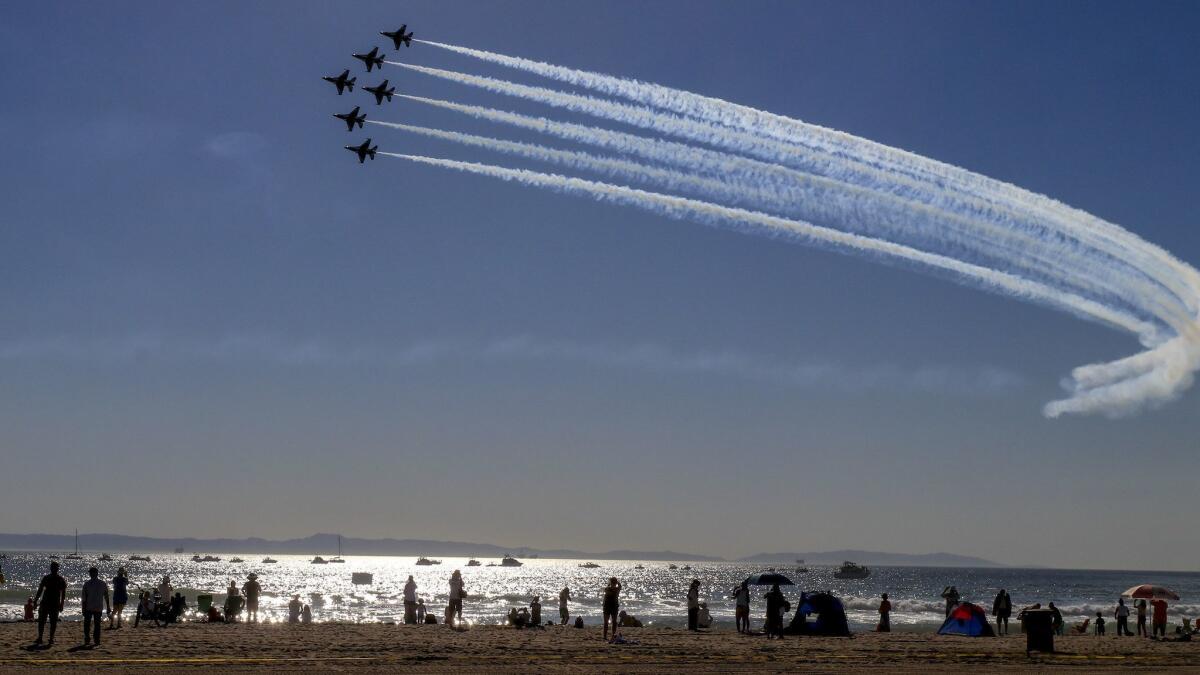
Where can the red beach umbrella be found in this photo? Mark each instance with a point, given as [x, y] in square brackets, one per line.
[1151, 592]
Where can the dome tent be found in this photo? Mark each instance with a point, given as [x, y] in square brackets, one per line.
[968, 620]
[831, 616]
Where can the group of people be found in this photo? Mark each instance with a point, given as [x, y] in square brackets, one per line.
[1158, 618]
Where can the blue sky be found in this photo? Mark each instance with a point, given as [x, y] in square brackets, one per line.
[205, 297]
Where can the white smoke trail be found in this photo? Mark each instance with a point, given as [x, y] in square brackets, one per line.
[1173, 307]
[1155, 262]
[765, 186]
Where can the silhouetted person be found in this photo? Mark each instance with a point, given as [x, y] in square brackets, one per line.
[294, 609]
[456, 598]
[120, 598]
[564, 596]
[535, 611]
[165, 591]
[628, 620]
[1158, 618]
[741, 600]
[29, 608]
[693, 604]
[1141, 618]
[410, 601]
[611, 605]
[1099, 623]
[1002, 609]
[52, 593]
[775, 603]
[703, 617]
[420, 610]
[885, 615]
[306, 614]
[177, 608]
[1122, 615]
[1056, 619]
[94, 600]
[251, 590]
[951, 596]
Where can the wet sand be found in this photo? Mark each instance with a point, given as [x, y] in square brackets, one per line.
[325, 647]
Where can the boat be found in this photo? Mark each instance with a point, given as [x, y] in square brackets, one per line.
[236, 560]
[140, 558]
[75, 555]
[639, 567]
[269, 560]
[426, 561]
[104, 557]
[338, 558]
[318, 560]
[673, 566]
[589, 565]
[210, 558]
[851, 570]
[800, 567]
[687, 568]
[196, 558]
[473, 563]
[509, 561]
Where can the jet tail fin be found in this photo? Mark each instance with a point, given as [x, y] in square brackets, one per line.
[350, 83]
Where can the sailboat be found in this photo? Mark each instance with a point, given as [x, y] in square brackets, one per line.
[75, 555]
[338, 558]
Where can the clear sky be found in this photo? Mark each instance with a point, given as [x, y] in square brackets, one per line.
[214, 322]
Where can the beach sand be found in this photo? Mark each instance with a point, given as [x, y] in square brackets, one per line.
[325, 647]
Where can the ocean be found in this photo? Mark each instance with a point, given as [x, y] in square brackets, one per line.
[656, 594]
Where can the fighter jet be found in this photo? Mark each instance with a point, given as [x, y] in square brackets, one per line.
[399, 37]
[381, 90]
[363, 151]
[343, 81]
[371, 58]
[351, 118]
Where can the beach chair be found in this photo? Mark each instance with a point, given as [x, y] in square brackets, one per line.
[203, 602]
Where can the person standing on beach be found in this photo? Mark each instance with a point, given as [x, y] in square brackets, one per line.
[775, 610]
[885, 615]
[120, 597]
[420, 611]
[165, 590]
[1122, 615]
[251, 589]
[410, 600]
[564, 596]
[294, 609]
[951, 596]
[53, 595]
[535, 611]
[693, 605]
[1141, 618]
[1002, 609]
[1158, 621]
[456, 598]
[612, 604]
[94, 601]
[741, 601]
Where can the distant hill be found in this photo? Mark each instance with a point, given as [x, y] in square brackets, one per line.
[316, 544]
[875, 558]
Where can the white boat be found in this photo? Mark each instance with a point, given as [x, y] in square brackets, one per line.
[75, 555]
[473, 563]
[589, 565]
[851, 570]
[423, 561]
[236, 560]
[509, 561]
[338, 557]
[269, 560]
[104, 557]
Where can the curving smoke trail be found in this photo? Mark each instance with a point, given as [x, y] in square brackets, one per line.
[755, 170]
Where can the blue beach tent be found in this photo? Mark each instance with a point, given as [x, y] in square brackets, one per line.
[967, 620]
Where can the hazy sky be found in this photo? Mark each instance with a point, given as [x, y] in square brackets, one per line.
[215, 323]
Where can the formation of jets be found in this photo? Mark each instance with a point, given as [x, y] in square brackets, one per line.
[372, 59]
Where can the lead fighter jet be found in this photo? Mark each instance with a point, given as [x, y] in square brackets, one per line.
[351, 118]
[381, 90]
[399, 36]
[363, 151]
[343, 81]
[371, 58]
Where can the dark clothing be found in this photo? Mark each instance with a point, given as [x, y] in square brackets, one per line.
[53, 588]
[120, 591]
[693, 618]
[1141, 625]
[88, 618]
[611, 601]
[50, 613]
[1123, 625]
[775, 601]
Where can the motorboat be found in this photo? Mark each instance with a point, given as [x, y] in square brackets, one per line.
[196, 558]
[140, 558]
[473, 563]
[423, 561]
[269, 560]
[639, 567]
[509, 561]
[850, 570]
[673, 566]
[318, 560]
[589, 565]
[236, 560]
[210, 558]
[687, 568]
[104, 557]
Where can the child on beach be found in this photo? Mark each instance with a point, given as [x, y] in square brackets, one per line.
[885, 615]
[1099, 623]
[420, 611]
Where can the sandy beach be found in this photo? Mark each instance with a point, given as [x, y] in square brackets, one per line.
[279, 647]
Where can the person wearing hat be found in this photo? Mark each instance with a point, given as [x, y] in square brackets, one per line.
[294, 608]
[251, 590]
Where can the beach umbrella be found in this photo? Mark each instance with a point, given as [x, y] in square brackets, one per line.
[768, 579]
[1151, 592]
